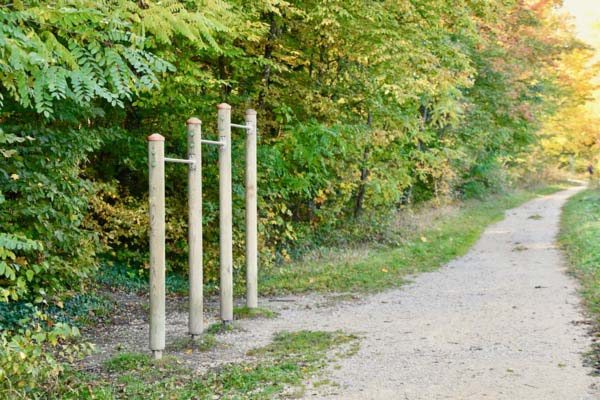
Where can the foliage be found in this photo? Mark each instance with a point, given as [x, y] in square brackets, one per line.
[45, 198]
[34, 358]
[383, 105]
[83, 51]
[363, 109]
[571, 135]
[65, 66]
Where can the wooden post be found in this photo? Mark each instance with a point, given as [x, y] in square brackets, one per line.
[251, 213]
[156, 164]
[196, 314]
[225, 217]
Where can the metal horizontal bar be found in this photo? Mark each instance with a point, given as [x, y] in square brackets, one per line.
[241, 126]
[179, 161]
[212, 142]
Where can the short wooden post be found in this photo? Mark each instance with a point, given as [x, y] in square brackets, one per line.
[196, 314]
[225, 217]
[251, 212]
[156, 164]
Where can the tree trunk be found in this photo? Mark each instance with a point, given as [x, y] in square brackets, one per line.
[364, 175]
[274, 32]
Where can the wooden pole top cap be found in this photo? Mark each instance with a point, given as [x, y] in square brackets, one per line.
[250, 112]
[224, 106]
[193, 121]
[156, 137]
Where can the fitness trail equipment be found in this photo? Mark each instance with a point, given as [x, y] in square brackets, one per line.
[156, 164]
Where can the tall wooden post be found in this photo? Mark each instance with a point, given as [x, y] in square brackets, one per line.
[156, 164]
[225, 217]
[251, 212]
[196, 315]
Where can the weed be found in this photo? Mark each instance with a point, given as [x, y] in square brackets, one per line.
[206, 342]
[220, 328]
[127, 361]
[350, 349]
[302, 342]
[324, 382]
[252, 313]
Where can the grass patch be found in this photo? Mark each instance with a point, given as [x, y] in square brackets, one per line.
[252, 313]
[580, 230]
[123, 362]
[219, 328]
[535, 217]
[279, 368]
[375, 269]
[206, 342]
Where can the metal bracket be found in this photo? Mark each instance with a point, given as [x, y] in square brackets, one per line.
[179, 161]
[218, 143]
[241, 126]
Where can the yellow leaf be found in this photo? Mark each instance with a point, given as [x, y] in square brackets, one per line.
[384, 270]
[60, 304]
[423, 239]
[14, 177]
[188, 351]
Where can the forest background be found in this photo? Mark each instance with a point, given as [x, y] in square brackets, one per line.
[364, 109]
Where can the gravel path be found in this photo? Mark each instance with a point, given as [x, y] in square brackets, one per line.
[499, 323]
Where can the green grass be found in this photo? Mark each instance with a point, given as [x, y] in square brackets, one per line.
[580, 233]
[221, 327]
[252, 313]
[206, 342]
[123, 362]
[375, 269]
[281, 366]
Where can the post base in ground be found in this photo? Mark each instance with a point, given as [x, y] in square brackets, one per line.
[157, 354]
[251, 304]
[195, 336]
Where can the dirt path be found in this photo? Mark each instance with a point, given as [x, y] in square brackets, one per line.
[498, 323]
